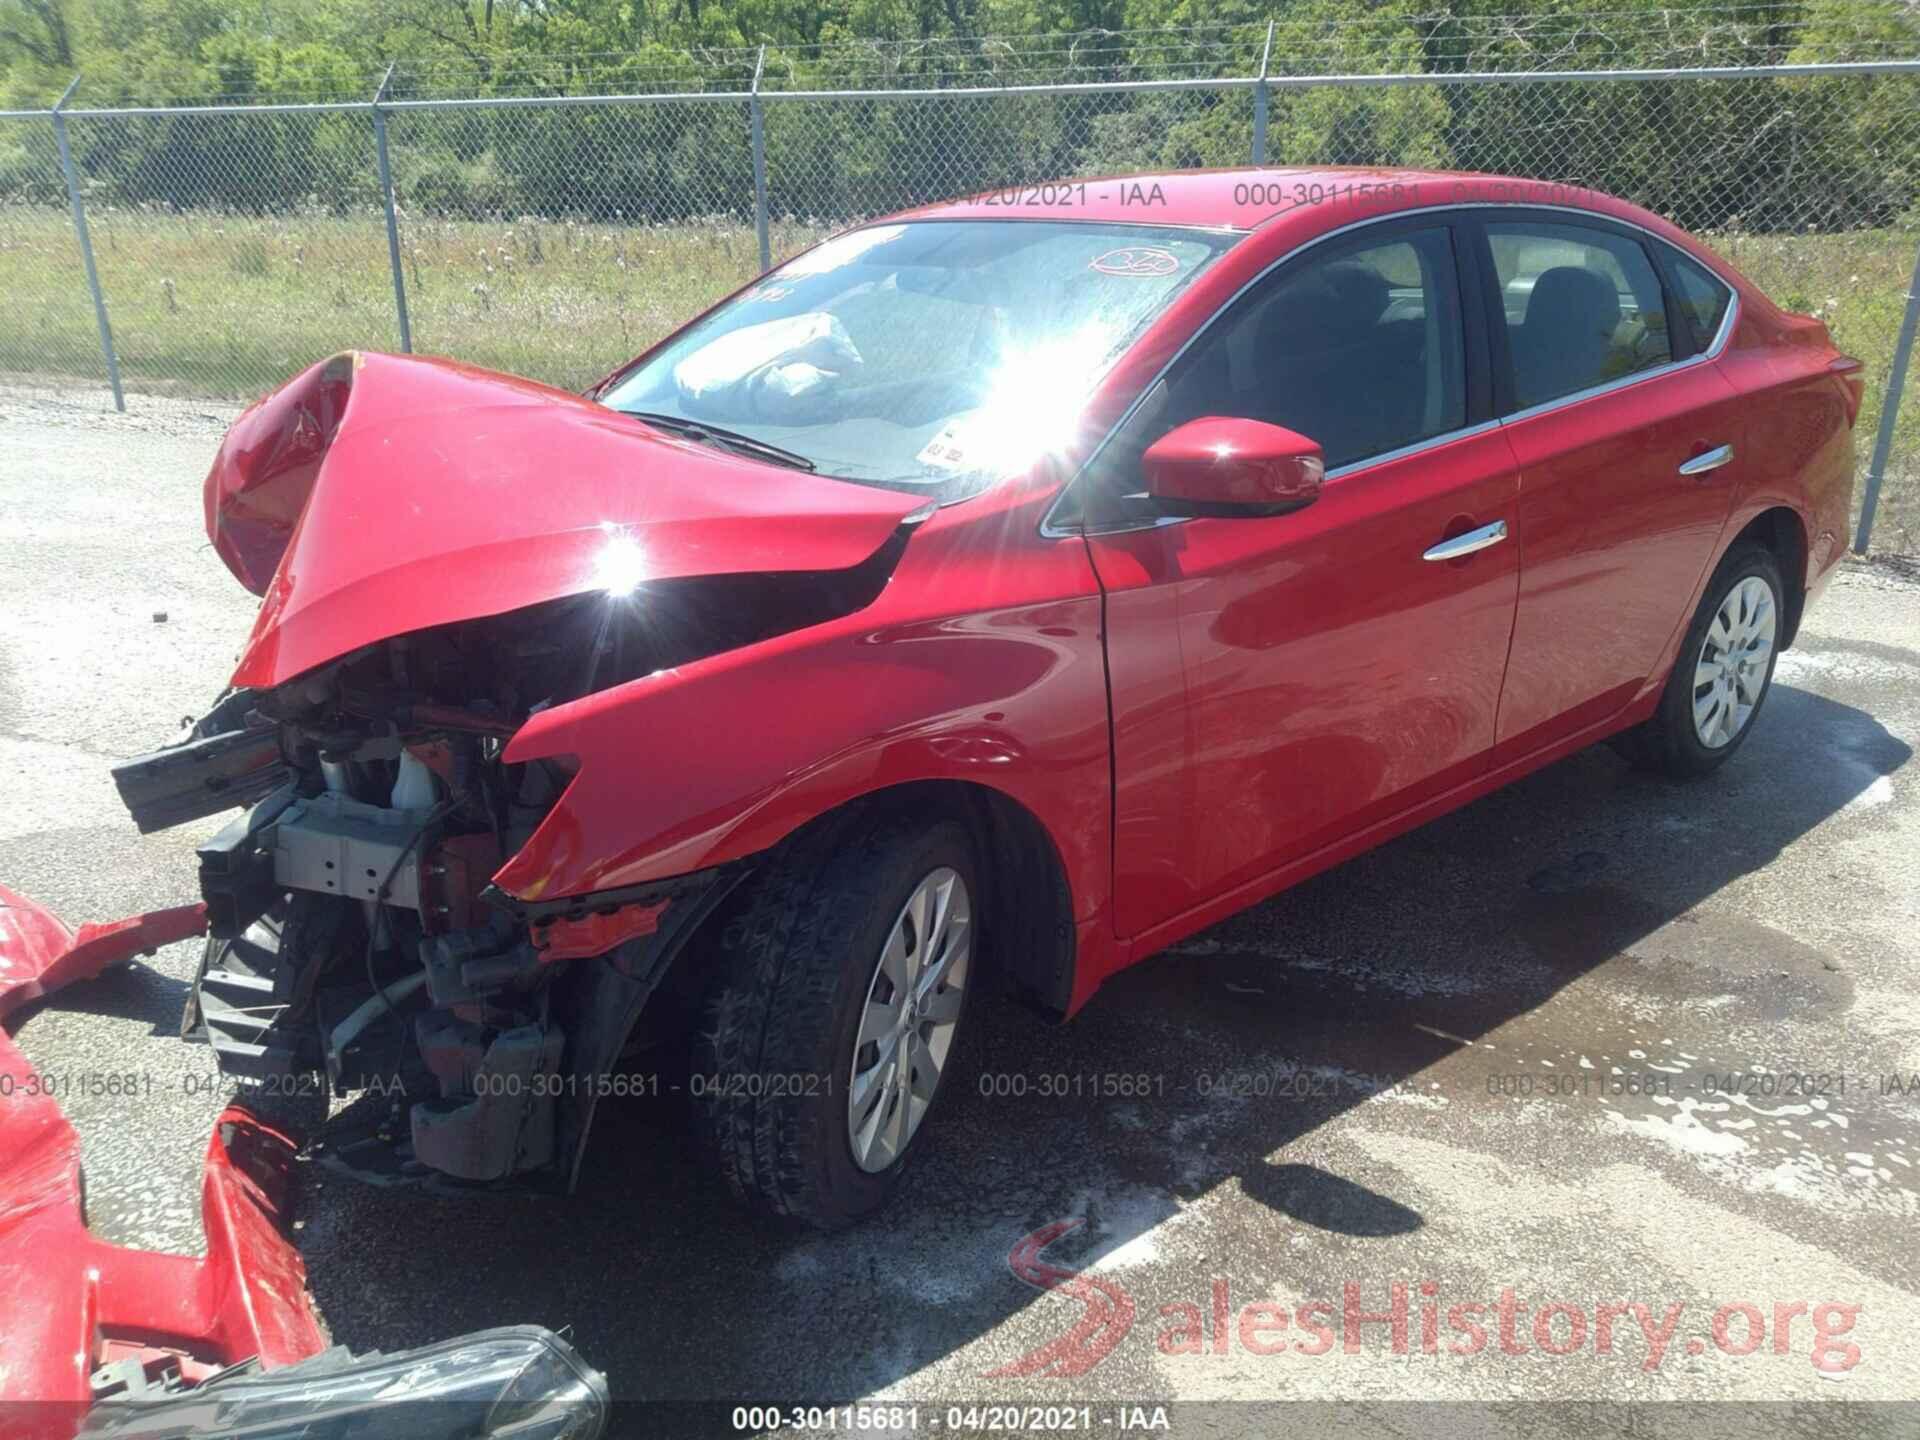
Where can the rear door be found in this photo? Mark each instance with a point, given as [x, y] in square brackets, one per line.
[1281, 682]
[1628, 443]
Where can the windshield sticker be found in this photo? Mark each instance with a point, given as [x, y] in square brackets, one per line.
[944, 452]
[1138, 262]
[952, 448]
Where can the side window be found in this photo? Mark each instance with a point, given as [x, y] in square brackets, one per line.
[1583, 307]
[1704, 297]
[1359, 348]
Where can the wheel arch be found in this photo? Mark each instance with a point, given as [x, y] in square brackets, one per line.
[1783, 532]
[1028, 928]
[1027, 896]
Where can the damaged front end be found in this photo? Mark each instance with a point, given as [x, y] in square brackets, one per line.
[443, 554]
[354, 932]
[395, 909]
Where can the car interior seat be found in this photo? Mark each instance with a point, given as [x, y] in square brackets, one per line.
[1567, 337]
[1334, 368]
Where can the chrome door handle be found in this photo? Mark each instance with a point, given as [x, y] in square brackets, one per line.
[1712, 460]
[1467, 544]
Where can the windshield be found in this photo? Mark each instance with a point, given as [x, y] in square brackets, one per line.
[934, 356]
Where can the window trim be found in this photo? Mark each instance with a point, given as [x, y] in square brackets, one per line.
[1471, 212]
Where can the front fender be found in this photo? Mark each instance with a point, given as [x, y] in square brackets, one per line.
[686, 769]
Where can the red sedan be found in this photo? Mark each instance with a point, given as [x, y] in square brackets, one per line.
[1024, 582]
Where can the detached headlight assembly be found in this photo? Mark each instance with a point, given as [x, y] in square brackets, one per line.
[518, 1383]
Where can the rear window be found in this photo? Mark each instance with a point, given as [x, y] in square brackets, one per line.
[1704, 298]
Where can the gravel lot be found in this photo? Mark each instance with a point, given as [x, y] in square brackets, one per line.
[1324, 1101]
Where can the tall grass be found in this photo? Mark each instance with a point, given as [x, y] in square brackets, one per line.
[1857, 283]
[226, 306]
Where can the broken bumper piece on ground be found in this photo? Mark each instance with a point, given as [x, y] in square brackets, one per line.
[107, 1341]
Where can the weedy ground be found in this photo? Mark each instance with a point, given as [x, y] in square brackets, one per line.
[225, 306]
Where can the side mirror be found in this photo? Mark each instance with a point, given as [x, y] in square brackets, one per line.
[1224, 467]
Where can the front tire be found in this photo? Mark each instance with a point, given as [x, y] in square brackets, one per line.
[1722, 673]
[844, 974]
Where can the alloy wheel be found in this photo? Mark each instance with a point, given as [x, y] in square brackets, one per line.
[1730, 675]
[909, 1020]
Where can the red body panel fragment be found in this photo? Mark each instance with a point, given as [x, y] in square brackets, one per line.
[68, 1301]
[39, 954]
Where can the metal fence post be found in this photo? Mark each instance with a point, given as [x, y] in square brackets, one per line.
[757, 123]
[1889, 412]
[1260, 102]
[86, 243]
[393, 220]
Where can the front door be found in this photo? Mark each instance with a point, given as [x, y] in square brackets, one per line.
[1280, 682]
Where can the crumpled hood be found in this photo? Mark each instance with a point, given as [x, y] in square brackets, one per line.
[373, 495]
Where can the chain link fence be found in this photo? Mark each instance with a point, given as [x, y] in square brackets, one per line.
[48, 337]
[556, 241]
[554, 235]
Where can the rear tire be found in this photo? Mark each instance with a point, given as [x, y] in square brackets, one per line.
[800, 1014]
[1722, 673]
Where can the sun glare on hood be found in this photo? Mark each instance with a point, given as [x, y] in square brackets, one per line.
[620, 566]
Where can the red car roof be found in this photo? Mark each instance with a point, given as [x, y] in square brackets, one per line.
[1249, 196]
